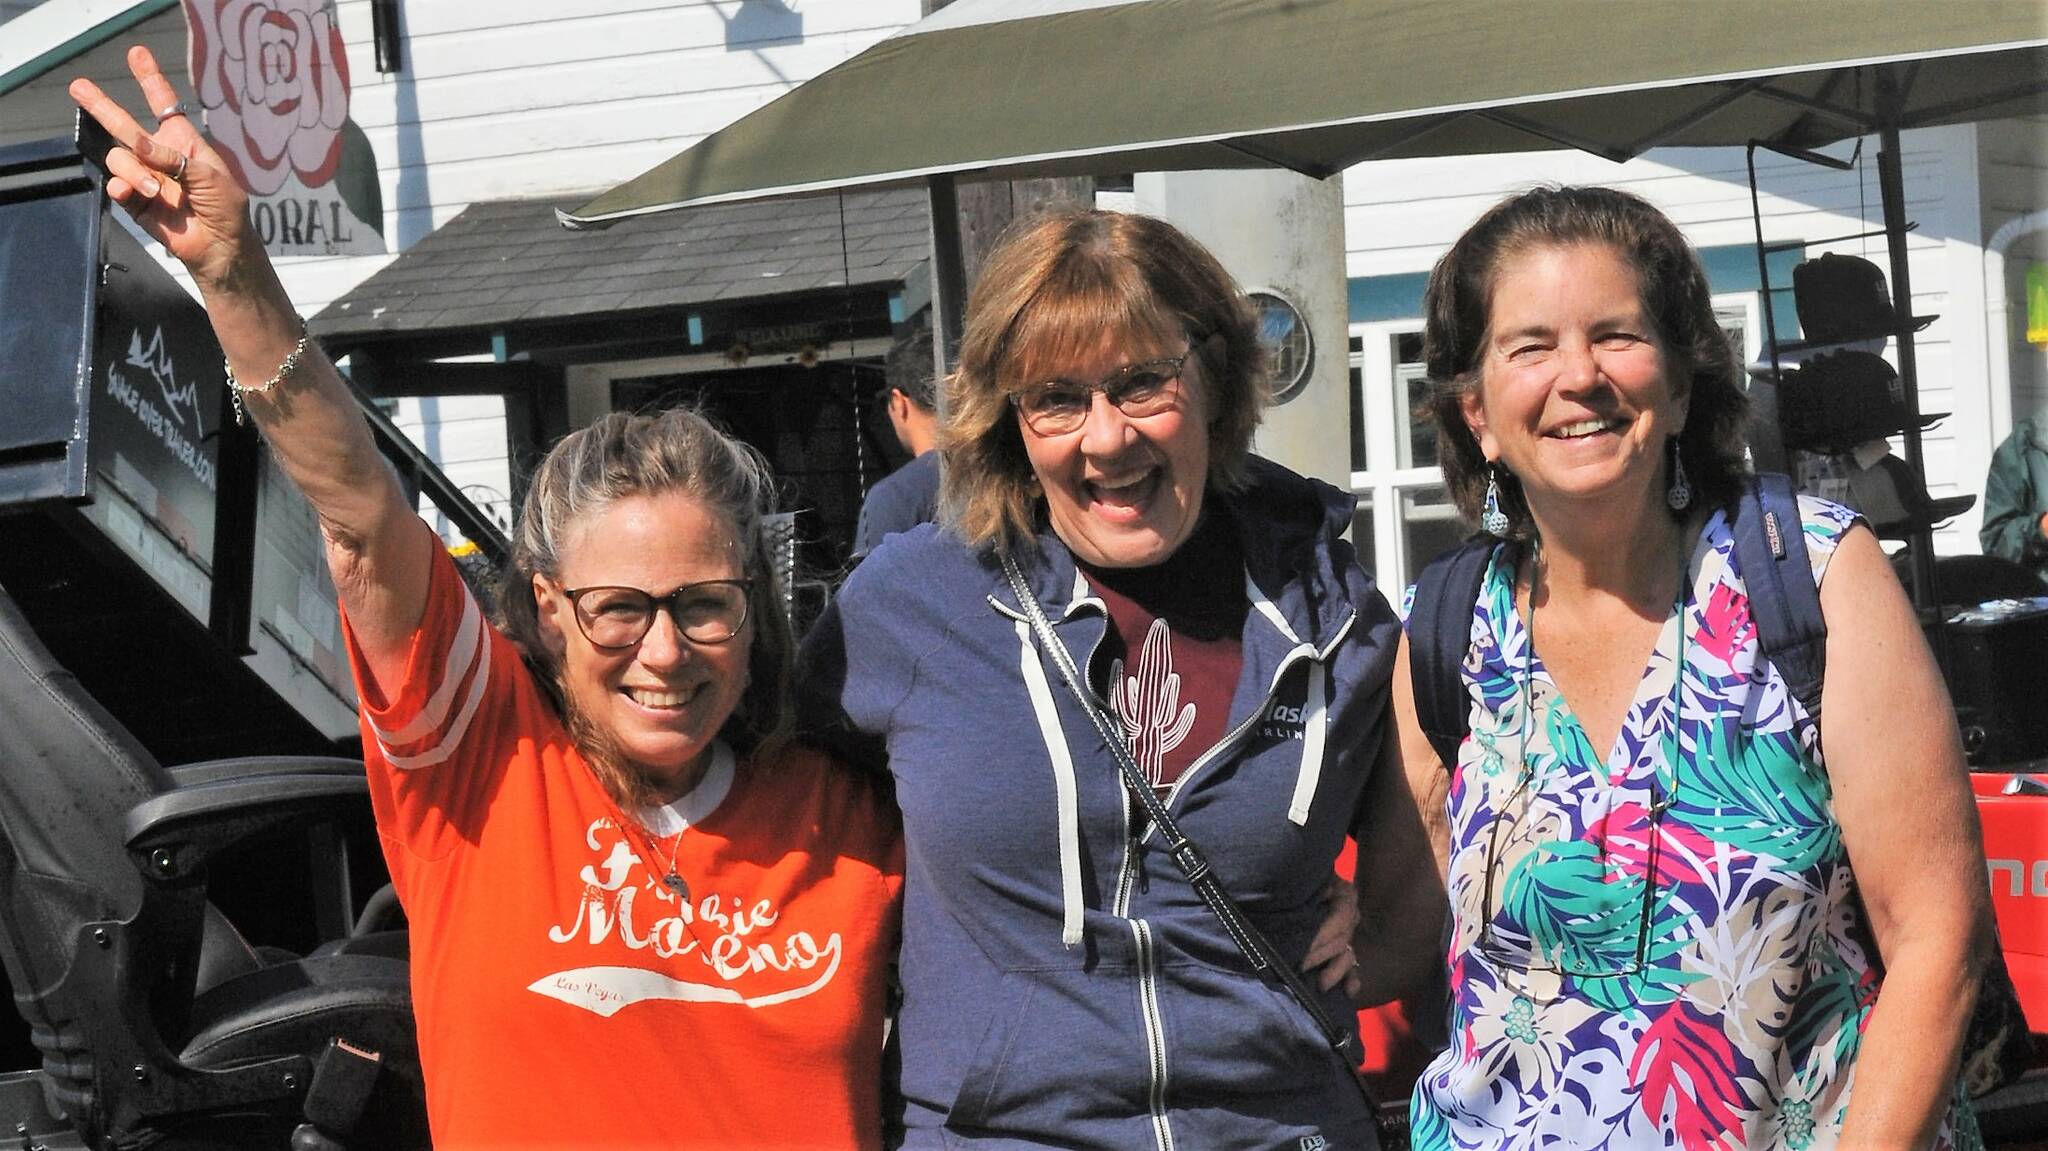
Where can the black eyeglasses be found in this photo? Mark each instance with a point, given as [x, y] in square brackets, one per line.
[1610, 920]
[711, 611]
[1146, 388]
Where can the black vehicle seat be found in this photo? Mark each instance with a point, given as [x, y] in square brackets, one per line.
[154, 1017]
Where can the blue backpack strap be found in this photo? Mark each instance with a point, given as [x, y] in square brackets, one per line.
[1784, 602]
[1439, 634]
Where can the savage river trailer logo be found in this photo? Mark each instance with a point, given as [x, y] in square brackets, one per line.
[146, 384]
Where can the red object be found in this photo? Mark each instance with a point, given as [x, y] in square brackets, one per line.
[2016, 850]
[1393, 1057]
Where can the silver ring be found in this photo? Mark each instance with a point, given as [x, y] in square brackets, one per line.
[174, 109]
[179, 175]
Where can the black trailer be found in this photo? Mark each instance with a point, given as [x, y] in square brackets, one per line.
[186, 853]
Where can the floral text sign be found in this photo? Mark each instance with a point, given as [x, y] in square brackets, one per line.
[273, 78]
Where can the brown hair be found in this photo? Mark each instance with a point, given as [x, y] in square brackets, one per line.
[1050, 291]
[624, 455]
[1459, 302]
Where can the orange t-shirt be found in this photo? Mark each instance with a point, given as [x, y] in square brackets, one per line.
[565, 996]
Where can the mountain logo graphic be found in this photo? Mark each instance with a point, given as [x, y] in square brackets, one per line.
[182, 400]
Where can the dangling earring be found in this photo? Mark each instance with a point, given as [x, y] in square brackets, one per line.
[1680, 494]
[1492, 520]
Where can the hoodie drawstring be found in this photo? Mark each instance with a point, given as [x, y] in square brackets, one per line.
[1064, 785]
[1313, 709]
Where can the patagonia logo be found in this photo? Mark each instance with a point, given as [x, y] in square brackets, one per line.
[1313, 1143]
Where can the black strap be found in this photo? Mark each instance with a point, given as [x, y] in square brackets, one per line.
[1770, 552]
[1784, 601]
[1439, 632]
[1259, 950]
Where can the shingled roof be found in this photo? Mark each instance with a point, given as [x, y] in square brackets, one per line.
[506, 262]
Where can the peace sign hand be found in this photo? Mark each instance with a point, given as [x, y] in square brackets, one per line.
[172, 182]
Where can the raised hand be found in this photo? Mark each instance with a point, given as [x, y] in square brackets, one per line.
[175, 186]
[183, 196]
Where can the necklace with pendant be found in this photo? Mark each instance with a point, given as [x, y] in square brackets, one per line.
[670, 877]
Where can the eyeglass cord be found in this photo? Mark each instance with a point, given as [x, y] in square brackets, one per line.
[1661, 798]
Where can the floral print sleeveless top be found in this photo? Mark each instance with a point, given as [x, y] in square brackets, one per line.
[1669, 953]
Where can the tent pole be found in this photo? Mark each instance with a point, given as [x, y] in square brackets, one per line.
[1891, 186]
[949, 272]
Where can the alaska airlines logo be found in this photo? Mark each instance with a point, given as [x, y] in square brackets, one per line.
[181, 400]
[2014, 870]
[730, 951]
[1148, 703]
[1282, 722]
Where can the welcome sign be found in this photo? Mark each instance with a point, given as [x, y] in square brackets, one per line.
[273, 82]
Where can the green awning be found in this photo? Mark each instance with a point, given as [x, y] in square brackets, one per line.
[1016, 88]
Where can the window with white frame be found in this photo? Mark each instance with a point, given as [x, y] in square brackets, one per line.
[1405, 517]
[1740, 315]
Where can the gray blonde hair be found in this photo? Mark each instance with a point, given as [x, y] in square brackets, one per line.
[624, 455]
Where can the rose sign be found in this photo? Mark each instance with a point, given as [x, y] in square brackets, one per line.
[273, 75]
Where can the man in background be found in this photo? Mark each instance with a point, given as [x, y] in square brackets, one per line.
[2016, 499]
[909, 495]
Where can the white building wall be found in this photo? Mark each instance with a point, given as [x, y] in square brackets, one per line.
[2014, 186]
[534, 98]
[1400, 215]
[500, 99]
[466, 436]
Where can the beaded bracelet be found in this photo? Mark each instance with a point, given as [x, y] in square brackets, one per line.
[291, 364]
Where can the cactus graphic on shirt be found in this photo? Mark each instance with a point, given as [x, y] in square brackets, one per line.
[1149, 704]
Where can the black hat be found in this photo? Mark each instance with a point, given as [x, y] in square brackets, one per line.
[1832, 403]
[1843, 299]
[1896, 503]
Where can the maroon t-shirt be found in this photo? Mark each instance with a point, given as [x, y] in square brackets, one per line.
[1186, 619]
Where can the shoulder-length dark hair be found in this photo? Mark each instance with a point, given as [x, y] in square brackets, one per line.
[1459, 301]
[1050, 291]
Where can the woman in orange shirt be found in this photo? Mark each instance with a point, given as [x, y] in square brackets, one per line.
[639, 917]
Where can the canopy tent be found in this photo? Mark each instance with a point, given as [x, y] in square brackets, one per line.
[1018, 88]
[1013, 88]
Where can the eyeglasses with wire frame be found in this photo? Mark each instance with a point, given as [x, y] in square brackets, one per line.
[709, 611]
[1059, 407]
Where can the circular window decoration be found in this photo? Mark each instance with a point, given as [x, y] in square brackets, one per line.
[1284, 331]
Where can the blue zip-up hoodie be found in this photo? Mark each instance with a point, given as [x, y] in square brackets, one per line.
[1062, 985]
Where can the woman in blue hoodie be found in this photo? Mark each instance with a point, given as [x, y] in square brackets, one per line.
[1063, 984]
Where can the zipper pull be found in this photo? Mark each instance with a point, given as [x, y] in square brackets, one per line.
[1136, 850]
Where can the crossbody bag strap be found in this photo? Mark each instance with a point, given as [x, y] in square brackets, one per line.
[1264, 957]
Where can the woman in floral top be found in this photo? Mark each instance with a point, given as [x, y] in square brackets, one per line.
[1667, 904]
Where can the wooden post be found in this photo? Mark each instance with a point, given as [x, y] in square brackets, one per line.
[948, 271]
[978, 211]
[988, 207]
